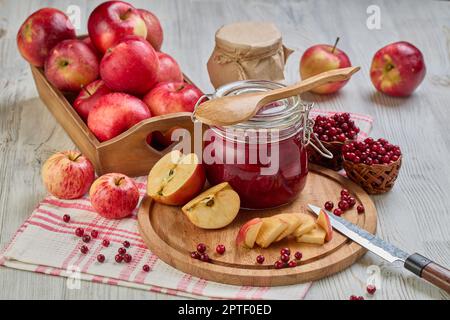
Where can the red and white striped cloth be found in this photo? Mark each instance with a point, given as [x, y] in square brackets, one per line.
[46, 244]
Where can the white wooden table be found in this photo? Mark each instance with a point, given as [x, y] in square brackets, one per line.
[414, 215]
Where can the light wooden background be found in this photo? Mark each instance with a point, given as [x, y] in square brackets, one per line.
[414, 215]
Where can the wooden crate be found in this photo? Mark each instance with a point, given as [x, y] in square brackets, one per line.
[127, 153]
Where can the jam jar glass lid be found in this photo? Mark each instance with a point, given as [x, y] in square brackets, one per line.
[287, 116]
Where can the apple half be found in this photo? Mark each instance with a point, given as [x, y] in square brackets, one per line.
[306, 225]
[315, 236]
[323, 221]
[214, 208]
[271, 229]
[176, 178]
[249, 231]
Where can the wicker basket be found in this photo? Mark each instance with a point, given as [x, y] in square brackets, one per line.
[375, 179]
[335, 147]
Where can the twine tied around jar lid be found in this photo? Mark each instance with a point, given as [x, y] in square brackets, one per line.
[247, 50]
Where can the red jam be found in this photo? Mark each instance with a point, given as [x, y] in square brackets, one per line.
[259, 191]
[263, 159]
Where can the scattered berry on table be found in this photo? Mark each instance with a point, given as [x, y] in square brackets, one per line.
[371, 289]
[126, 244]
[292, 264]
[260, 259]
[146, 268]
[79, 232]
[220, 249]
[86, 238]
[101, 258]
[122, 251]
[201, 247]
[66, 218]
[329, 205]
[204, 257]
[84, 249]
[105, 242]
[343, 205]
[286, 251]
[94, 234]
[127, 258]
[284, 258]
[279, 264]
[360, 208]
[195, 255]
[118, 258]
[298, 255]
[338, 212]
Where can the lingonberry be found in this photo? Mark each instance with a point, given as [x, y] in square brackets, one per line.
[118, 258]
[146, 268]
[286, 251]
[126, 244]
[260, 259]
[292, 264]
[371, 289]
[329, 205]
[195, 255]
[343, 205]
[94, 234]
[338, 212]
[220, 249]
[84, 249]
[66, 218]
[360, 208]
[298, 255]
[79, 232]
[284, 258]
[204, 257]
[101, 258]
[201, 247]
[86, 238]
[122, 251]
[279, 264]
[127, 258]
[105, 242]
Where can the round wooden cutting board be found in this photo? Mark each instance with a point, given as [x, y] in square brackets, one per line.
[171, 236]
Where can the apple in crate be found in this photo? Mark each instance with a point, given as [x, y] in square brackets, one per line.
[114, 196]
[88, 41]
[68, 174]
[71, 65]
[155, 34]
[115, 113]
[169, 70]
[88, 96]
[249, 231]
[171, 97]
[321, 58]
[113, 20]
[397, 69]
[131, 66]
[176, 178]
[40, 32]
[214, 208]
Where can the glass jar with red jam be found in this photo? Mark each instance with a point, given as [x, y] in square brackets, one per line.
[264, 159]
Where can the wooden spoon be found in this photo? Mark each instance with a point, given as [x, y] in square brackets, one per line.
[230, 110]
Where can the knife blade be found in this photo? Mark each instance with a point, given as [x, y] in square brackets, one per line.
[416, 263]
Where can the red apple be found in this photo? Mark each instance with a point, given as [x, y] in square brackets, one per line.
[113, 20]
[321, 58]
[155, 34]
[68, 174]
[115, 113]
[88, 41]
[323, 221]
[41, 32]
[87, 98]
[169, 70]
[171, 97]
[249, 231]
[397, 69]
[114, 196]
[131, 66]
[71, 65]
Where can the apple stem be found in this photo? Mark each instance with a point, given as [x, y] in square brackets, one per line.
[119, 181]
[180, 88]
[86, 90]
[335, 45]
[77, 157]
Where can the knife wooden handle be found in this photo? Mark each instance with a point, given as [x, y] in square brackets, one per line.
[429, 270]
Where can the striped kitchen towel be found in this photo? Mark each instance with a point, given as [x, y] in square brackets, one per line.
[46, 244]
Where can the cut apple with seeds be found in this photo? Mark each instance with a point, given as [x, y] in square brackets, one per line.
[306, 225]
[176, 178]
[315, 236]
[215, 208]
[270, 230]
[324, 222]
[294, 222]
[249, 231]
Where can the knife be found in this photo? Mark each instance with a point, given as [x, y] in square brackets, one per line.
[416, 263]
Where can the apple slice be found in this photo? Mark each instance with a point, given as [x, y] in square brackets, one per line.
[176, 178]
[294, 222]
[249, 231]
[324, 222]
[307, 224]
[315, 236]
[214, 208]
[270, 230]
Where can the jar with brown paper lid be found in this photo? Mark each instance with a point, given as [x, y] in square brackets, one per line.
[247, 50]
